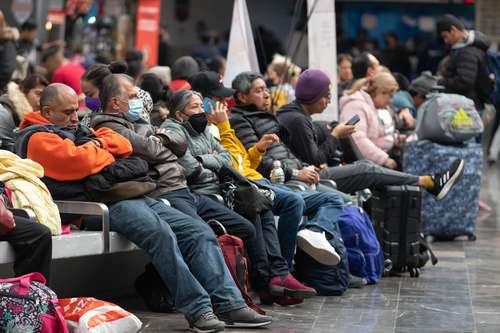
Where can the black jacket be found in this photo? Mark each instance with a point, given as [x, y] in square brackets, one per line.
[161, 151]
[304, 137]
[466, 73]
[250, 125]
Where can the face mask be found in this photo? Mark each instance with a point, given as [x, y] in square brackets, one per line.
[198, 122]
[135, 107]
[94, 104]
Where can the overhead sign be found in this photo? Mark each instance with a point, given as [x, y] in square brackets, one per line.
[147, 29]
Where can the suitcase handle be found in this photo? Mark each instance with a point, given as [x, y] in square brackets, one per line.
[217, 227]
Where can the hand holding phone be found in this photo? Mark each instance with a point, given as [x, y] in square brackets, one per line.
[209, 105]
[353, 121]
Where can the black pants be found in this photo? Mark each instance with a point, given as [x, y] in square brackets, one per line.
[32, 243]
[260, 237]
[366, 174]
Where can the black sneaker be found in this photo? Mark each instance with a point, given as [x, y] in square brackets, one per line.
[443, 182]
[244, 318]
[207, 323]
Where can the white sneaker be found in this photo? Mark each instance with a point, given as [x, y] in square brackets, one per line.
[317, 246]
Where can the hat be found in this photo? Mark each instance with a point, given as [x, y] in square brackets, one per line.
[210, 84]
[424, 84]
[311, 86]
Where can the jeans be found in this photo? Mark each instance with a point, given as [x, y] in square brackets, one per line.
[32, 243]
[260, 238]
[322, 209]
[365, 174]
[184, 252]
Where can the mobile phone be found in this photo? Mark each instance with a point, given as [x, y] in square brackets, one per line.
[206, 104]
[353, 121]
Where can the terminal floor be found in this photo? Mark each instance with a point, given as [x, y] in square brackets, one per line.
[460, 294]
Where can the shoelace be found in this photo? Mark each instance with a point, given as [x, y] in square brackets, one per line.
[208, 316]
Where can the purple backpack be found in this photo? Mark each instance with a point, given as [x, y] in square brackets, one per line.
[28, 305]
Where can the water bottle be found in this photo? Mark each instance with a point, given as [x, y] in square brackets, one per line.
[277, 174]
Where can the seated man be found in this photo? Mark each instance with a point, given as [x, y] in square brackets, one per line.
[289, 205]
[189, 261]
[203, 160]
[251, 120]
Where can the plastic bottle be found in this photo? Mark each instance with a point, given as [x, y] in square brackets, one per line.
[277, 174]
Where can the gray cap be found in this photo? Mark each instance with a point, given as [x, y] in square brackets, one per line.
[425, 84]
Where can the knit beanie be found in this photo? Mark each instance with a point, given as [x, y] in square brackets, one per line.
[311, 86]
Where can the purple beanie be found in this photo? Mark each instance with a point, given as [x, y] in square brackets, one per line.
[312, 85]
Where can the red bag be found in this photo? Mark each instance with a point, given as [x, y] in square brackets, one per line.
[234, 256]
[7, 222]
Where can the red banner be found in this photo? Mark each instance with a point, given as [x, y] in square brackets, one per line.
[147, 30]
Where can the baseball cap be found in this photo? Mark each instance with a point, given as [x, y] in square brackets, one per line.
[210, 84]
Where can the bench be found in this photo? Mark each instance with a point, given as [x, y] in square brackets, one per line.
[78, 243]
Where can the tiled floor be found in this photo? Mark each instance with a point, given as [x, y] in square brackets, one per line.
[460, 294]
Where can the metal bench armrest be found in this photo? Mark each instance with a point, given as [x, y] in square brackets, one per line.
[295, 187]
[328, 182]
[89, 208]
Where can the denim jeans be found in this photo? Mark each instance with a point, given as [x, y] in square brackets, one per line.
[185, 253]
[260, 239]
[322, 209]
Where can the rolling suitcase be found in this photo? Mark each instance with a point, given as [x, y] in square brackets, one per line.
[455, 215]
[395, 212]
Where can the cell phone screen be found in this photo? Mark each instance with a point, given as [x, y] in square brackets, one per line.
[206, 104]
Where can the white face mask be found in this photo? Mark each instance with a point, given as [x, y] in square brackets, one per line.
[135, 107]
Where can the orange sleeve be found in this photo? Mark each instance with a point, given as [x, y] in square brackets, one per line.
[64, 161]
[114, 143]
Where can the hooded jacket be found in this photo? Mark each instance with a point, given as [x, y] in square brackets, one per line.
[62, 159]
[250, 125]
[204, 157]
[13, 107]
[161, 151]
[466, 73]
[303, 138]
[370, 133]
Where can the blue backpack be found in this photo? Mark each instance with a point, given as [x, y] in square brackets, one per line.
[493, 69]
[366, 258]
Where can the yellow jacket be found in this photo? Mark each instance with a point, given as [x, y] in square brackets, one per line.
[21, 176]
[246, 162]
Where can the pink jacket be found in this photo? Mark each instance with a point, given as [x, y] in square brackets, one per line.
[370, 133]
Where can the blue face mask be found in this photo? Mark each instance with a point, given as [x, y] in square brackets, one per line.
[135, 107]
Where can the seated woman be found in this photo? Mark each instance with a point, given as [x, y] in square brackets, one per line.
[19, 100]
[364, 100]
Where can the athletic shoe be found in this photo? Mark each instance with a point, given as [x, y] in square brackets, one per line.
[317, 247]
[443, 182]
[207, 323]
[289, 286]
[244, 318]
[356, 282]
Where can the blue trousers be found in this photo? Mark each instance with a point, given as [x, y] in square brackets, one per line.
[185, 253]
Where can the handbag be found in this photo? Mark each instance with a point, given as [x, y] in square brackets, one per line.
[243, 195]
[7, 222]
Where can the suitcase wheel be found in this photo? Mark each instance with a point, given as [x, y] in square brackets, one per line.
[414, 272]
[472, 237]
